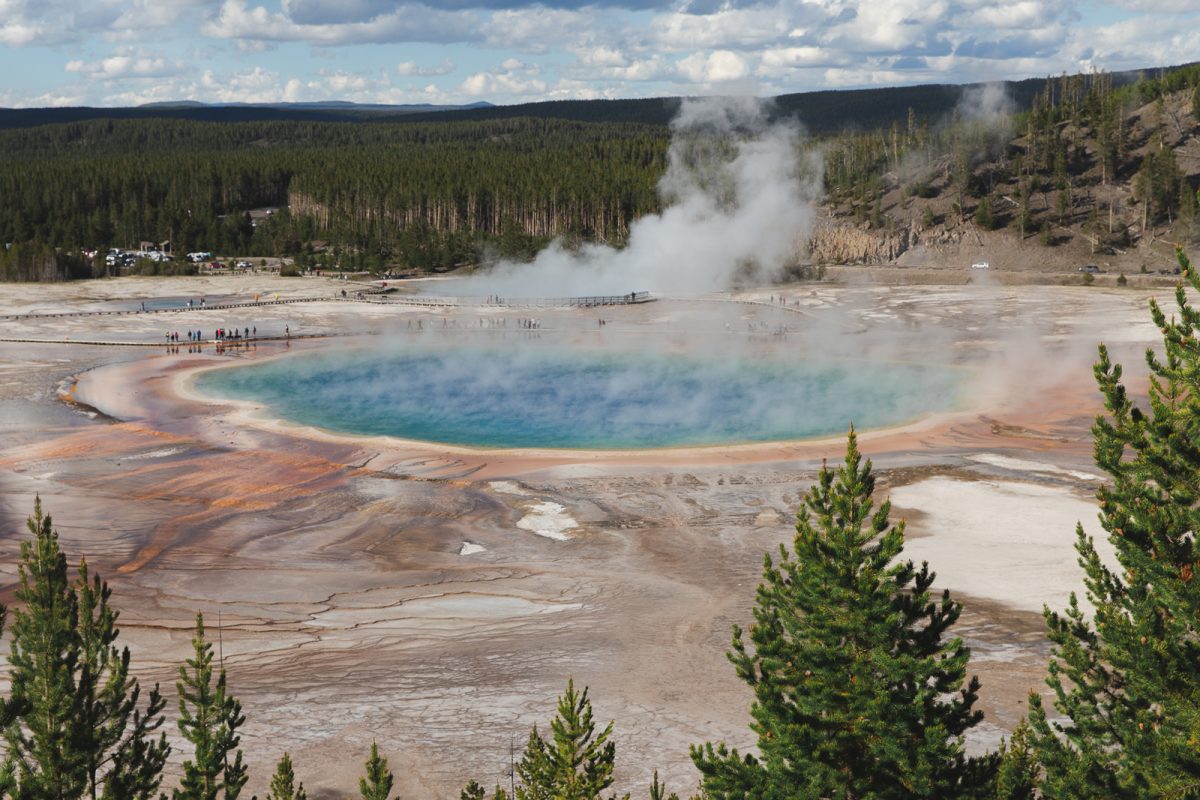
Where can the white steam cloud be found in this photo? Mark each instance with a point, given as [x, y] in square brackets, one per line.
[988, 104]
[739, 203]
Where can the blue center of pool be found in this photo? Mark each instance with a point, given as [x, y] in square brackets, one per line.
[535, 396]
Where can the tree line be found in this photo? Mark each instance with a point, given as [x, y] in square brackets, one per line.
[860, 689]
[422, 195]
[430, 195]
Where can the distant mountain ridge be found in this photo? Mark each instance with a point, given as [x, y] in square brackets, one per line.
[820, 112]
[322, 105]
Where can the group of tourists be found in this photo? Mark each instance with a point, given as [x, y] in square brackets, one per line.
[219, 335]
[783, 301]
[224, 334]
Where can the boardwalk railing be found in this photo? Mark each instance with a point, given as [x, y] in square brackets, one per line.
[502, 301]
[428, 301]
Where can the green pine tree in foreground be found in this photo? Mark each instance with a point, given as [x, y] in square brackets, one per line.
[73, 727]
[858, 691]
[377, 783]
[577, 764]
[1127, 680]
[1019, 773]
[283, 783]
[209, 719]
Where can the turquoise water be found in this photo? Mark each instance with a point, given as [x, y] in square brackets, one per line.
[527, 395]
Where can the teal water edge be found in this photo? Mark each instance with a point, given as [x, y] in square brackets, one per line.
[527, 396]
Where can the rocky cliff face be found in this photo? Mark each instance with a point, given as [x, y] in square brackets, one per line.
[845, 243]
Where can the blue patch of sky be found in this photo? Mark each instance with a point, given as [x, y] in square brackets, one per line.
[32, 69]
[1098, 13]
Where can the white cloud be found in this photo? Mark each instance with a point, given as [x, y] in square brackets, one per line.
[1158, 6]
[404, 23]
[565, 48]
[489, 84]
[511, 77]
[728, 28]
[293, 91]
[780, 60]
[1139, 42]
[18, 33]
[841, 77]
[126, 65]
[409, 69]
[534, 30]
[255, 85]
[11, 99]
[601, 56]
[1026, 14]
[334, 12]
[33, 23]
[716, 67]
[342, 84]
[648, 69]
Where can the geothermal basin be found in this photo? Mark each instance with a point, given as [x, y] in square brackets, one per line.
[395, 585]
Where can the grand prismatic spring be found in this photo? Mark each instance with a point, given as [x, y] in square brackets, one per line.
[530, 395]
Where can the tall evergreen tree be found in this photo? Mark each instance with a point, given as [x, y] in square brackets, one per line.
[74, 728]
[377, 783]
[577, 764]
[283, 783]
[858, 690]
[1019, 774]
[475, 791]
[658, 790]
[7, 768]
[1127, 680]
[209, 719]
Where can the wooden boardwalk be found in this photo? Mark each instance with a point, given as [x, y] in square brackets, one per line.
[633, 298]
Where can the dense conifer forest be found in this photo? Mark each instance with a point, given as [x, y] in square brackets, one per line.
[423, 195]
[1093, 156]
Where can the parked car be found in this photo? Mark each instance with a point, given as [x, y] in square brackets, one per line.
[1091, 269]
[981, 265]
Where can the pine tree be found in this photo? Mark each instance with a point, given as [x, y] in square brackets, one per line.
[1018, 775]
[283, 783]
[577, 764]
[209, 719]
[859, 691]
[658, 790]
[1127, 680]
[473, 791]
[7, 769]
[74, 728]
[984, 217]
[377, 784]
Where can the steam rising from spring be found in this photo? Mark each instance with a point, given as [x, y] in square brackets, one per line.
[739, 205]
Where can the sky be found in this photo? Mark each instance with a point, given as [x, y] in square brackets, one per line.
[128, 52]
